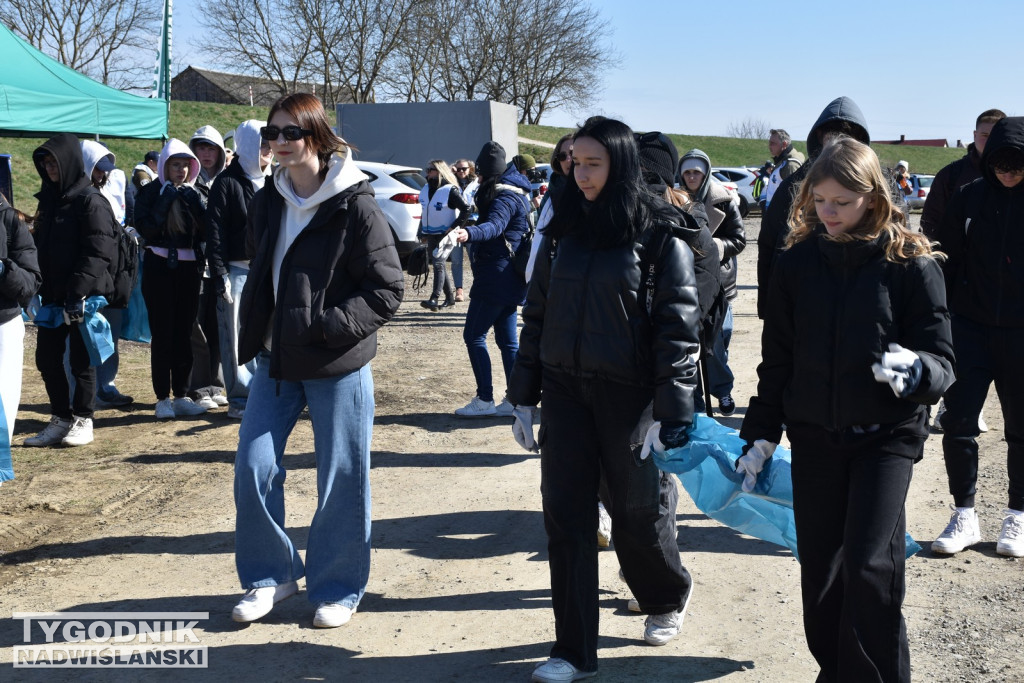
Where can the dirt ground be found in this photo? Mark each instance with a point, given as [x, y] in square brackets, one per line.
[142, 520]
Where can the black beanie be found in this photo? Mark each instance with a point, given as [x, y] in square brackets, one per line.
[491, 160]
[658, 156]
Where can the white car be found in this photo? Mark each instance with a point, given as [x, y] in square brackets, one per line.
[397, 189]
[743, 179]
[920, 185]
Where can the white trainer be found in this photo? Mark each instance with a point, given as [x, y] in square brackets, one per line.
[661, 628]
[477, 408]
[219, 400]
[258, 602]
[1011, 538]
[604, 526]
[961, 532]
[557, 670]
[982, 425]
[206, 403]
[332, 615]
[80, 433]
[52, 433]
[164, 409]
[186, 407]
[504, 409]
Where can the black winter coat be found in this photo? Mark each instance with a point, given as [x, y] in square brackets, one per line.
[832, 312]
[74, 232]
[583, 317]
[152, 208]
[947, 181]
[340, 281]
[226, 212]
[21, 279]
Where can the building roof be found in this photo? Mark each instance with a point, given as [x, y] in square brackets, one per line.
[243, 88]
[934, 142]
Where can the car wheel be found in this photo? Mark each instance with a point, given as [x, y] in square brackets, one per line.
[744, 207]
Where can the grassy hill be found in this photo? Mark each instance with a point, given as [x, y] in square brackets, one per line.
[186, 117]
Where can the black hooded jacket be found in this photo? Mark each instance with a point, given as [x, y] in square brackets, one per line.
[775, 221]
[226, 212]
[948, 180]
[983, 235]
[75, 229]
[20, 280]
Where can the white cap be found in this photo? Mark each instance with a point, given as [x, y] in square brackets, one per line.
[903, 164]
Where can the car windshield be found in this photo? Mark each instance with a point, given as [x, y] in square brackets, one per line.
[411, 178]
[925, 182]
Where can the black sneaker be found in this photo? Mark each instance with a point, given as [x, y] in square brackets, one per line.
[430, 304]
[726, 405]
[448, 303]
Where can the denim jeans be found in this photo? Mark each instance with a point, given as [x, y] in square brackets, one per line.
[442, 280]
[480, 318]
[720, 377]
[237, 378]
[341, 409]
[456, 259]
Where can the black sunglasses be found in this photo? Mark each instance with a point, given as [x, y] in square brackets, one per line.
[271, 133]
[562, 156]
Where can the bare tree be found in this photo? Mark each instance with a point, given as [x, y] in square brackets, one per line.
[109, 40]
[749, 128]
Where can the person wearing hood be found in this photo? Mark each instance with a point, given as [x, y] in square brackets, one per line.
[443, 209]
[503, 201]
[206, 384]
[726, 226]
[323, 278]
[75, 242]
[169, 216]
[841, 116]
[226, 216]
[785, 161]
[465, 174]
[610, 351]
[19, 282]
[110, 181]
[982, 233]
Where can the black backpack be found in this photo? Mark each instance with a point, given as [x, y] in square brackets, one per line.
[124, 267]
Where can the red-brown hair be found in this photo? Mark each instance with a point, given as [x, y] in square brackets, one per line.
[308, 112]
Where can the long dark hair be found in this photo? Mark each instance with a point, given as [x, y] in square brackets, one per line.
[625, 207]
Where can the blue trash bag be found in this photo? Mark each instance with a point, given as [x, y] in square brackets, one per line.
[135, 319]
[6, 466]
[706, 466]
[95, 329]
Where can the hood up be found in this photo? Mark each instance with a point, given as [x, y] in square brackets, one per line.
[1007, 133]
[175, 147]
[92, 152]
[839, 109]
[209, 134]
[247, 149]
[66, 149]
[705, 161]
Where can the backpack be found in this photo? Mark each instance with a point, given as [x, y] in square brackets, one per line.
[124, 267]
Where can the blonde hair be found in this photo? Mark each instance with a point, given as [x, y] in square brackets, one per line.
[444, 170]
[855, 166]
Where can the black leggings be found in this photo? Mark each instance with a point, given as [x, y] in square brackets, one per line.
[172, 299]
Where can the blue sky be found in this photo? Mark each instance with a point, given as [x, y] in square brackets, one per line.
[923, 68]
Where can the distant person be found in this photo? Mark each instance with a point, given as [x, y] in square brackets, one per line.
[527, 165]
[206, 386]
[785, 161]
[142, 174]
[982, 232]
[856, 343]
[561, 166]
[324, 277]
[442, 209]
[226, 215]
[465, 173]
[901, 174]
[75, 241]
[19, 282]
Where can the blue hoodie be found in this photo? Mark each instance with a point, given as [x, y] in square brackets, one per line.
[506, 219]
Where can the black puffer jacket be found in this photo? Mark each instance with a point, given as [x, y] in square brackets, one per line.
[983, 235]
[340, 281]
[226, 212]
[832, 312]
[152, 208]
[75, 230]
[948, 180]
[20, 280]
[583, 317]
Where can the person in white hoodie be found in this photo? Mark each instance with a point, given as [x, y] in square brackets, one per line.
[110, 181]
[324, 276]
[226, 215]
[169, 215]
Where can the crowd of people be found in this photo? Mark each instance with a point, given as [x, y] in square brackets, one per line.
[265, 281]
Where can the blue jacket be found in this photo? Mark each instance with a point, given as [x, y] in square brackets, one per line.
[494, 277]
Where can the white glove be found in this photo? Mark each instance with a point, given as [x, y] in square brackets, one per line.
[226, 294]
[446, 246]
[522, 428]
[895, 368]
[652, 441]
[133, 233]
[752, 462]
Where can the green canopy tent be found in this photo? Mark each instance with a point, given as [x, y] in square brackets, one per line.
[40, 97]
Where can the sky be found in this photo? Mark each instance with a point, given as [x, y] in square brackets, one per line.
[924, 68]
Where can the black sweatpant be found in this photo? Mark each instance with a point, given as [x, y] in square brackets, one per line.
[592, 427]
[984, 354]
[50, 346]
[849, 492]
[172, 299]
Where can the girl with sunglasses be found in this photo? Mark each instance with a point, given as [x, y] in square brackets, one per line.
[323, 277]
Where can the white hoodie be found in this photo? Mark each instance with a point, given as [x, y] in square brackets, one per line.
[247, 152]
[298, 212]
[176, 147]
[113, 189]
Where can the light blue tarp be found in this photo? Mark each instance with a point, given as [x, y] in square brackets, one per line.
[706, 466]
[94, 328]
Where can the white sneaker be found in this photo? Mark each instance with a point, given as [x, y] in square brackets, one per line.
[332, 615]
[604, 527]
[982, 425]
[633, 605]
[504, 409]
[961, 532]
[219, 400]
[940, 410]
[258, 602]
[477, 408]
[661, 628]
[557, 670]
[235, 413]
[80, 433]
[52, 433]
[1011, 538]
[206, 403]
[164, 409]
[186, 407]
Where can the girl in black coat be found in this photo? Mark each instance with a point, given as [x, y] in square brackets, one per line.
[856, 344]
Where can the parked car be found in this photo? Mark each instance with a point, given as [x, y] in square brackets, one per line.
[397, 189]
[539, 177]
[743, 179]
[920, 185]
